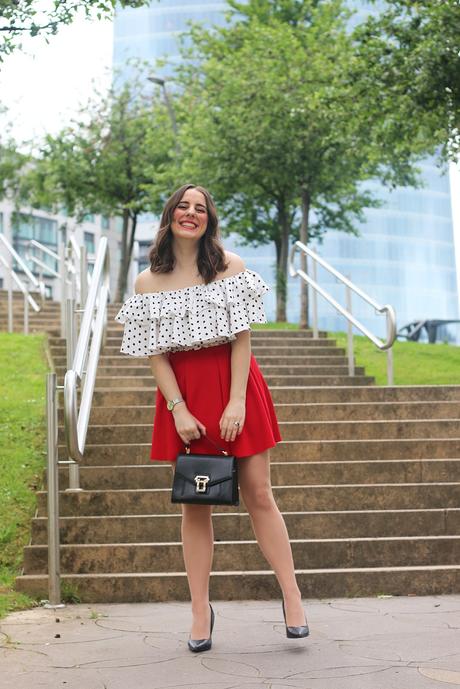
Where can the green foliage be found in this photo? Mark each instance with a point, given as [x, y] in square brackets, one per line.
[413, 53]
[35, 18]
[22, 461]
[278, 107]
[112, 159]
[11, 160]
[70, 594]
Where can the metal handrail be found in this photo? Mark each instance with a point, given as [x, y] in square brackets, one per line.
[13, 276]
[94, 322]
[37, 284]
[387, 310]
[34, 259]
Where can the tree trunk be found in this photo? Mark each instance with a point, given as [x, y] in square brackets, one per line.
[304, 316]
[282, 255]
[124, 258]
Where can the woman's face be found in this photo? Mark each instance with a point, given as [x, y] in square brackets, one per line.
[190, 217]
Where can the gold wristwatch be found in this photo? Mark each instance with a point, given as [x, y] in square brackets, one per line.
[172, 403]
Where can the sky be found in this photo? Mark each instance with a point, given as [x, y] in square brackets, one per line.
[43, 86]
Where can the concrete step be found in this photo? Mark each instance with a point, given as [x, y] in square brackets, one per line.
[296, 450]
[158, 475]
[314, 355]
[258, 350]
[237, 525]
[117, 364]
[254, 585]
[243, 555]
[34, 317]
[306, 369]
[300, 430]
[401, 411]
[289, 498]
[18, 313]
[300, 394]
[328, 380]
[34, 327]
[258, 337]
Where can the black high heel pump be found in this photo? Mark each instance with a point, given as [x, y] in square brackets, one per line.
[198, 645]
[295, 632]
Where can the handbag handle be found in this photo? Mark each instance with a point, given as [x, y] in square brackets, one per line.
[187, 446]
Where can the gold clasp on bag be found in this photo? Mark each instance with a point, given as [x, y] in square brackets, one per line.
[201, 483]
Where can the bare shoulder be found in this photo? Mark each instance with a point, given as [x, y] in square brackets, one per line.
[235, 265]
[147, 281]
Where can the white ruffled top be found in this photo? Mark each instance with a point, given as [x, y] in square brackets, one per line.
[192, 317]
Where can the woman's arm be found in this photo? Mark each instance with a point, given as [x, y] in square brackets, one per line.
[236, 407]
[187, 425]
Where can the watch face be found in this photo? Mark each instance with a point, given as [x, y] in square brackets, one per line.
[170, 405]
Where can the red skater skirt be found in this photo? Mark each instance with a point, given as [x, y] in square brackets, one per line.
[204, 377]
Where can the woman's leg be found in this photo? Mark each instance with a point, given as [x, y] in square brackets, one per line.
[198, 549]
[270, 530]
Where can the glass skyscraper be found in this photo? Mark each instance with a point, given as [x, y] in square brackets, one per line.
[405, 253]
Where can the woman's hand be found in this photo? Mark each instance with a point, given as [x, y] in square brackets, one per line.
[234, 411]
[187, 426]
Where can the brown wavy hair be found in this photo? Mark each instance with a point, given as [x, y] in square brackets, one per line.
[211, 256]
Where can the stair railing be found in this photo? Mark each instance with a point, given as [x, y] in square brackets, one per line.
[33, 243]
[387, 310]
[38, 285]
[82, 372]
[72, 273]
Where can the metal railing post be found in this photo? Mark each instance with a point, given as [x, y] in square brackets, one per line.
[390, 367]
[83, 277]
[10, 299]
[315, 303]
[350, 346]
[26, 313]
[63, 277]
[70, 331]
[74, 478]
[54, 567]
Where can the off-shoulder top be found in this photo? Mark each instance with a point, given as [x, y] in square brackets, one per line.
[192, 317]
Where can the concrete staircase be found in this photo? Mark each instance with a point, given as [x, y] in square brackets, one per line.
[46, 320]
[368, 480]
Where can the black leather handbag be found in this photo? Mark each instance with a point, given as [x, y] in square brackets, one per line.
[206, 479]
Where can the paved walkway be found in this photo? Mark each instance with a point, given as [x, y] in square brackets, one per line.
[378, 643]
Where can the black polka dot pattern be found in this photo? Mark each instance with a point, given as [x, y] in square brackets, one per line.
[192, 317]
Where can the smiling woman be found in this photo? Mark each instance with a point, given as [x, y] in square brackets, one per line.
[191, 315]
[190, 212]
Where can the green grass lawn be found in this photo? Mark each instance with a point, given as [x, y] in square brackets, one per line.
[415, 363]
[23, 368]
[273, 325]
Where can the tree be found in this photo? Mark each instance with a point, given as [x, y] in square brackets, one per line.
[11, 160]
[26, 17]
[413, 52]
[110, 160]
[278, 124]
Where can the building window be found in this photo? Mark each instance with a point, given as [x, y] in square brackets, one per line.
[89, 242]
[105, 222]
